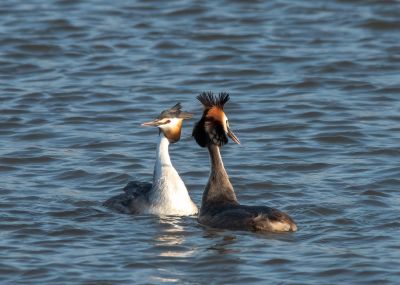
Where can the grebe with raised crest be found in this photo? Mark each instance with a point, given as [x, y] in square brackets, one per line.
[219, 206]
[167, 195]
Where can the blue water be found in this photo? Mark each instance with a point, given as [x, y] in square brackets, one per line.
[314, 100]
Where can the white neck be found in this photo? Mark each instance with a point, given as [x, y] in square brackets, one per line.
[169, 194]
[162, 156]
[165, 176]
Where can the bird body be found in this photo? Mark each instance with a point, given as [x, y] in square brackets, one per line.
[220, 207]
[167, 195]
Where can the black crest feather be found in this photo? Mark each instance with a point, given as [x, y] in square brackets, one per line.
[199, 133]
[217, 136]
[175, 112]
[209, 100]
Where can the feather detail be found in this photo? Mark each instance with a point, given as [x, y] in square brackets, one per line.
[209, 100]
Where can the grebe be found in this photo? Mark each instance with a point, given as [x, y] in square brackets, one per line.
[219, 206]
[167, 195]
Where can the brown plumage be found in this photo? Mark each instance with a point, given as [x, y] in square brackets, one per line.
[171, 130]
[212, 127]
[173, 134]
[220, 207]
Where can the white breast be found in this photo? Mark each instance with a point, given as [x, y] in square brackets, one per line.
[169, 195]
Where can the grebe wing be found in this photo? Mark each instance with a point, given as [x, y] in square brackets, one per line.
[135, 195]
[231, 219]
[253, 218]
[119, 203]
[137, 188]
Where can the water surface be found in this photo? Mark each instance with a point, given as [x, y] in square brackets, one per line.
[314, 100]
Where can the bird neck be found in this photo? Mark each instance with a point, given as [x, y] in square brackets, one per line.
[219, 188]
[168, 192]
[217, 165]
[162, 156]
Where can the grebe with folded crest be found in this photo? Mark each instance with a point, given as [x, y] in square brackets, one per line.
[167, 195]
[219, 206]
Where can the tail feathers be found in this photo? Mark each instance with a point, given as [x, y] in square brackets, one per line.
[283, 223]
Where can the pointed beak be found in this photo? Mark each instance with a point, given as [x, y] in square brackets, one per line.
[154, 123]
[233, 136]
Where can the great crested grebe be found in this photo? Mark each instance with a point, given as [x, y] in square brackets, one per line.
[219, 206]
[167, 195]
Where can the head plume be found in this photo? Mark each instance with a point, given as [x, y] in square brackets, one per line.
[209, 100]
[170, 121]
[175, 112]
[212, 127]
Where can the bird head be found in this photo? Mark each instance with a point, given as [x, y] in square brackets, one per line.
[213, 127]
[170, 121]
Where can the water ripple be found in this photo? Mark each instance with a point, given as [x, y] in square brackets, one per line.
[314, 99]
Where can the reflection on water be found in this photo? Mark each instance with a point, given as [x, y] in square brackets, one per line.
[223, 246]
[165, 280]
[171, 237]
[314, 100]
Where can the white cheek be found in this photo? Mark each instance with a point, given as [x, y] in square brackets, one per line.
[174, 121]
[171, 125]
[225, 123]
